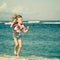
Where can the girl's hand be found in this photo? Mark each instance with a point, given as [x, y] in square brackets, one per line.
[26, 29]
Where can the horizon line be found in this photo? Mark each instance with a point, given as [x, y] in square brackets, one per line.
[51, 20]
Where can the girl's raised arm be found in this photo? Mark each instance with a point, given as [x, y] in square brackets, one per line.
[13, 22]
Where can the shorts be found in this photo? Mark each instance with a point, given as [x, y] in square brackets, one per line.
[17, 35]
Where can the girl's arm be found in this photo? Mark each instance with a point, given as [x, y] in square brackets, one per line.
[12, 23]
[26, 29]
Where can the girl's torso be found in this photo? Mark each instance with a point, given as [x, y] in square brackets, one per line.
[18, 27]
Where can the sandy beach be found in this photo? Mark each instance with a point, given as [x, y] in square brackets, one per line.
[12, 58]
[25, 58]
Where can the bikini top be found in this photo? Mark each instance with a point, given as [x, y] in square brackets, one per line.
[20, 27]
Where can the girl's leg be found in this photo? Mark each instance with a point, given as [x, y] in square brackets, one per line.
[20, 46]
[16, 45]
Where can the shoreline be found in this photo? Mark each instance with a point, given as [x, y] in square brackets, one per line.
[6, 57]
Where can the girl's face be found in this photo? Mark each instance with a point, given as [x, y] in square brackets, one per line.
[19, 20]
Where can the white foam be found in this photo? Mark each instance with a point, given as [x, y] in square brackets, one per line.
[33, 21]
[41, 58]
[7, 23]
[50, 22]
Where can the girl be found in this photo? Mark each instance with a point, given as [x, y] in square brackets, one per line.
[18, 27]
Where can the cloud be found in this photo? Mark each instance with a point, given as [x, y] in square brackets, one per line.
[17, 9]
[21, 10]
[3, 7]
[31, 9]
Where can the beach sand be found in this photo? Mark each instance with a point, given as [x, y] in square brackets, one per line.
[25, 58]
[13, 58]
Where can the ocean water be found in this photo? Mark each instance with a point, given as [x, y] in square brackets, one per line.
[42, 40]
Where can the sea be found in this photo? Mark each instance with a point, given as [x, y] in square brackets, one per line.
[41, 42]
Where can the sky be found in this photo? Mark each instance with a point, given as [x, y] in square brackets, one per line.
[30, 9]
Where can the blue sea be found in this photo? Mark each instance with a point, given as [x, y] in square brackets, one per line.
[41, 41]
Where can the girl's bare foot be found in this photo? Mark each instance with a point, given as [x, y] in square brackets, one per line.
[15, 53]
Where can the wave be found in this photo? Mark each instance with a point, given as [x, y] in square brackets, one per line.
[29, 22]
[33, 21]
[7, 23]
[6, 57]
[50, 22]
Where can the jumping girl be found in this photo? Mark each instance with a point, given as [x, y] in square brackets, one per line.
[17, 29]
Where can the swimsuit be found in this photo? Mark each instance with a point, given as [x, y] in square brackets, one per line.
[17, 35]
[18, 27]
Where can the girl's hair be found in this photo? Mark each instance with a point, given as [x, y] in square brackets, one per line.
[15, 17]
[19, 16]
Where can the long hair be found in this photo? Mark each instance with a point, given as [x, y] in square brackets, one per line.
[14, 17]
